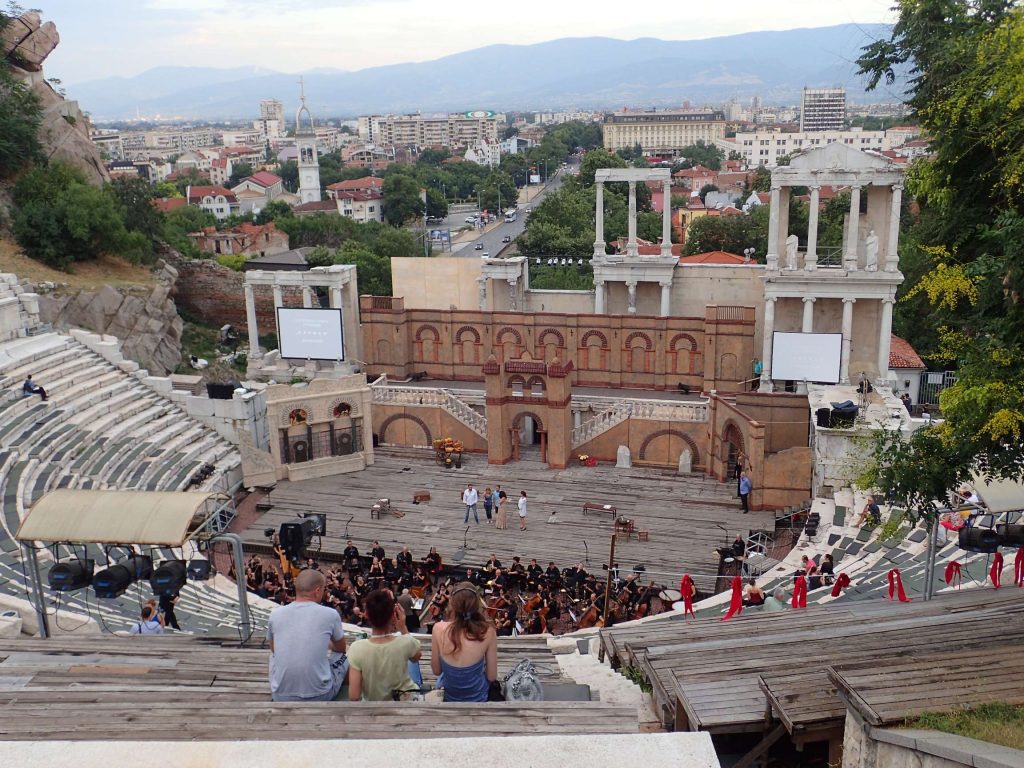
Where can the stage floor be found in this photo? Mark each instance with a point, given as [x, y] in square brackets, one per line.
[687, 517]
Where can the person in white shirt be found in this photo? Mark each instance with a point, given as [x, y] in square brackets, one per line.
[522, 511]
[470, 498]
[152, 622]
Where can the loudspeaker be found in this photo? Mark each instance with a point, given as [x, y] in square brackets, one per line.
[843, 417]
[295, 535]
[74, 574]
[168, 579]
[1010, 535]
[823, 417]
[983, 540]
[198, 570]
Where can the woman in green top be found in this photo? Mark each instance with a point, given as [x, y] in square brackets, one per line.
[379, 665]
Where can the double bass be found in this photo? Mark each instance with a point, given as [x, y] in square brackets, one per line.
[590, 618]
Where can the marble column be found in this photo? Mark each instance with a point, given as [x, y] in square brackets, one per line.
[811, 258]
[666, 297]
[844, 359]
[599, 297]
[631, 287]
[631, 249]
[278, 301]
[773, 229]
[892, 256]
[808, 322]
[884, 339]
[513, 294]
[481, 284]
[250, 320]
[850, 255]
[307, 297]
[766, 353]
[336, 300]
[666, 223]
[599, 243]
[577, 419]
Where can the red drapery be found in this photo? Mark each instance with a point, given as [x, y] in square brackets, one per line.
[896, 585]
[1018, 568]
[953, 569]
[736, 603]
[996, 571]
[800, 592]
[842, 582]
[687, 589]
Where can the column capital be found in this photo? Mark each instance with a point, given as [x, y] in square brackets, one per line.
[599, 282]
[897, 187]
[809, 299]
[857, 187]
[631, 283]
[665, 283]
[770, 299]
[886, 300]
[815, 187]
[513, 281]
[849, 301]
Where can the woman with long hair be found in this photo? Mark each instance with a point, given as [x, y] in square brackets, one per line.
[464, 647]
[501, 521]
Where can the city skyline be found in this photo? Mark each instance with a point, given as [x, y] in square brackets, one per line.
[213, 33]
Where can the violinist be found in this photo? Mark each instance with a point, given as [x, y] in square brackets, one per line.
[533, 575]
[517, 573]
[433, 563]
[549, 606]
[404, 559]
[377, 551]
[497, 603]
[351, 556]
[504, 624]
[552, 576]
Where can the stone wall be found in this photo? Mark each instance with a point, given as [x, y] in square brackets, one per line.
[147, 325]
[418, 426]
[707, 352]
[656, 443]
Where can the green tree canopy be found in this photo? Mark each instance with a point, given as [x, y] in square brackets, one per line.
[20, 118]
[402, 198]
[700, 153]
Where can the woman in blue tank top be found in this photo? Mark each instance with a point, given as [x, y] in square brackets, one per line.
[464, 648]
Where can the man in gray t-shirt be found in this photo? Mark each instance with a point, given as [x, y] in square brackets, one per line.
[300, 636]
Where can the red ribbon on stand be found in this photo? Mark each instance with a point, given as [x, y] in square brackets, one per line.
[842, 582]
[1018, 568]
[996, 571]
[687, 590]
[953, 569]
[800, 592]
[736, 603]
[897, 587]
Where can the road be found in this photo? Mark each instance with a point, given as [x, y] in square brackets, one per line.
[491, 240]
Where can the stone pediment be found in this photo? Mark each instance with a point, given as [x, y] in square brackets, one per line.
[838, 157]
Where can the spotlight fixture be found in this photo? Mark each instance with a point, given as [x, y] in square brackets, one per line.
[168, 579]
[74, 574]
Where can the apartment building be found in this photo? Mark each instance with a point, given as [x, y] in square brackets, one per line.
[448, 130]
[823, 109]
[662, 132]
[767, 146]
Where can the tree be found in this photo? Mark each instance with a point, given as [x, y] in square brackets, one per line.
[179, 222]
[60, 219]
[734, 155]
[762, 181]
[372, 270]
[498, 192]
[401, 199]
[966, 65]
[135, 199]
[700, 153]
[434, 157]
[239, 173]
[20, 119]
[437, 206]
[289, 173]
[274, 211]
[707, 188]
[190, 178]
[732, 234]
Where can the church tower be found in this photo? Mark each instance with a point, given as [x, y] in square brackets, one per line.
[305, 142]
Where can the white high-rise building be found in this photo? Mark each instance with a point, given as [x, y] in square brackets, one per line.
[272, 109]
[823, 109]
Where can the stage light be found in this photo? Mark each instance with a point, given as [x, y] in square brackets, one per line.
[168, 579]
[984, 540]
[114, 581]
[1010, 535]
[198, 569]
[74, 574]
[268, 532]
[295, 536]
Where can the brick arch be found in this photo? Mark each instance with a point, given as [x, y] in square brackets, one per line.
[732, 435]
[468, 330]
[516, 379]
[694, 452]
[509, 329]
[382, 434]
[551, 332]
[535, 380]
[680, 337]
[598, 334]
[432, 329]
[648, 344]
[517, 420]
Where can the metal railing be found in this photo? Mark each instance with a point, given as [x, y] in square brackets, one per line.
[646, 410]
[432, 398]
[296, 449]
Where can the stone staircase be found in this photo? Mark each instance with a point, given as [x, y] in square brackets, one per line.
[389, 394]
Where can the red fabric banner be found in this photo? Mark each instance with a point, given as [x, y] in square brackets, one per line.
[687, 589]
[800, 592]
[953, 569]
[996, 571]
[896, 585]
[736, 603]
[1018, 568]
[842, 582]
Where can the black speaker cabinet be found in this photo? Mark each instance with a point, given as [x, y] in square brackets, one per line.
[983, 540]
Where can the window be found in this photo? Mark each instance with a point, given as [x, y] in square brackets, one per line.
[537, 389]
[517, 389]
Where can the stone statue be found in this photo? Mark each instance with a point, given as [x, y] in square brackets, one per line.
[871, 252]
[791, 245]
[622, 458]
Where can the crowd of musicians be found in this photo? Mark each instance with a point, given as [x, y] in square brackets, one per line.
[521, 598]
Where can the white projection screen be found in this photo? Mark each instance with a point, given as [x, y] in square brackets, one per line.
[807, 356]
[310, 334]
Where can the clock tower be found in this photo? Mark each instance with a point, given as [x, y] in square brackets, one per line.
[305, 142]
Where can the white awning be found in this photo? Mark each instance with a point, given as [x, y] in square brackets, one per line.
[115, 517]
[1000, 495]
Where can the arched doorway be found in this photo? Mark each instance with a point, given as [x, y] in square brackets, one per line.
[528, 436]
[734, 458]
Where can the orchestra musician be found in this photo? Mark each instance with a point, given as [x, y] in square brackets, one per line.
[552, 576]
[517, 573]
[492, 564]
[351, 556]
[377, 551]
[534, 573]
[404, 559]
[432, 562]
[504, 624]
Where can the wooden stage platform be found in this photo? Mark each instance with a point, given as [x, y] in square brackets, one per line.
[686, 517]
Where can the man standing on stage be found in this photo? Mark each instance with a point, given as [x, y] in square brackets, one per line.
[745, 487]
[470, 498]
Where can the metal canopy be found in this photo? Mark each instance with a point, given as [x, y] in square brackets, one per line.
[115, 517]
[1000, 495]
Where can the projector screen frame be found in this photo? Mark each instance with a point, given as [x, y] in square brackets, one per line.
[280, 336]
[836, 337]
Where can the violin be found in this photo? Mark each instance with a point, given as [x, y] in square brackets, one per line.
[496, 604]
[590, 618]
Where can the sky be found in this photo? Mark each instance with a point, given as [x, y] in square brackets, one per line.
[104, 38]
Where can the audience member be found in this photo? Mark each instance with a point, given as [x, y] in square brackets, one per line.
[776, 601]
[464, 648]
[152, 622]
[379, 666]
[870, 512]
[752, 594]
[31, 388]
[300, 636]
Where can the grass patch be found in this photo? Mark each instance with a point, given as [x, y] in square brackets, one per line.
[993, 723]
[85, 275]
[637, 676]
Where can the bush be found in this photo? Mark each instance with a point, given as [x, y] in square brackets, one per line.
[20, 118]
[235, 261]
[60, 219]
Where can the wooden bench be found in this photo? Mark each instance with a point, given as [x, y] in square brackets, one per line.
[590, 506]
[378, 509]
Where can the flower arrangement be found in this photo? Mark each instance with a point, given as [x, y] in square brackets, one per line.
[587, 460]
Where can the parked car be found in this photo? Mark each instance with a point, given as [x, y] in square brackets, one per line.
[470, 219]
[507, 239]
[478, 247]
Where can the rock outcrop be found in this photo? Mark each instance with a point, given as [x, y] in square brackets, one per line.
[147, 325]
[64, 133]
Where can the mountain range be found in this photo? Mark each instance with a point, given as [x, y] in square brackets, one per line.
[587, 73]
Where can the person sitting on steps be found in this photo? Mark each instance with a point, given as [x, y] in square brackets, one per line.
[31, 388]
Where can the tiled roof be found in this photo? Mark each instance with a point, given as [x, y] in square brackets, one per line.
[902, 355]
[713, 257]
[366, 182]
[167, 204]
[197, 193]
[317, 205]
[265, 178]
[525, 366]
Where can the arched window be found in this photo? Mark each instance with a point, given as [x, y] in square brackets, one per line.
[297, 416]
